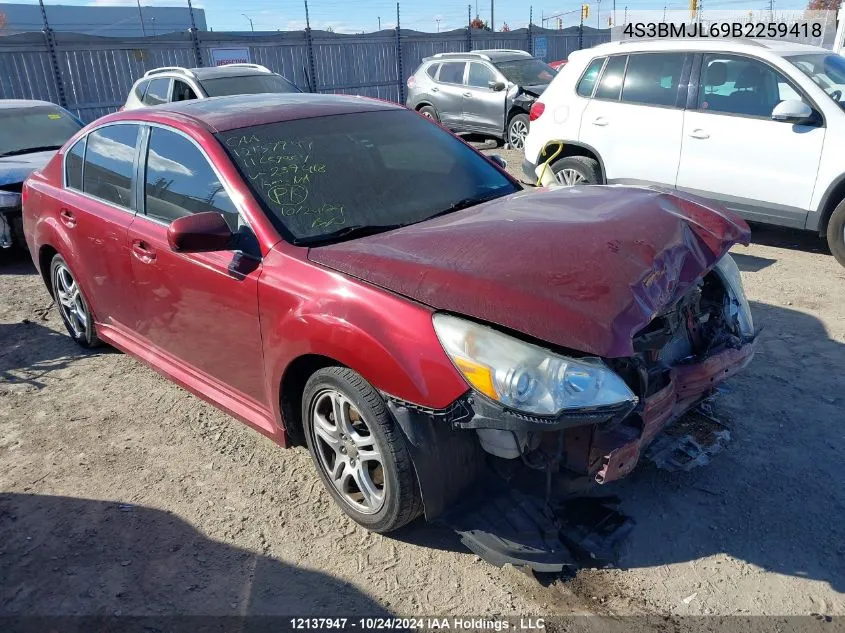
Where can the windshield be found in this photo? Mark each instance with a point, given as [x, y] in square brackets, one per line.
[826, 70]
[527, 72]
[247, 85]
[336, 177]
[35, 128]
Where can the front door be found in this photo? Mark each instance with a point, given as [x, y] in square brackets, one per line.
[484, 108]
[201, 308]
[734, 152]
[635, 118]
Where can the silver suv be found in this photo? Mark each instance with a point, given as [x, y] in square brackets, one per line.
[486, 91]
[174, 83]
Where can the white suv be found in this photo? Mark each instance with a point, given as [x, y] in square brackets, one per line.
[174, 83]
[756, 125]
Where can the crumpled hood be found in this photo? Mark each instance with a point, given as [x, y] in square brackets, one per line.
[581, 267]
[15, 169]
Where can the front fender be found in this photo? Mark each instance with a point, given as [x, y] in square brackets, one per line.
[389, 340]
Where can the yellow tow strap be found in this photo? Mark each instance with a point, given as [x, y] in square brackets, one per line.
[546, 164]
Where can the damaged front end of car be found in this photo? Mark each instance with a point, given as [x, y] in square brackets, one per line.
[506, 463]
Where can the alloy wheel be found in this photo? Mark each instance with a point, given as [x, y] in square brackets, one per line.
[517, 134]
[570, 177]
[347, 451]
[71, 304]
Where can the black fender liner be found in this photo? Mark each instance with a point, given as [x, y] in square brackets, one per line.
[448, 461]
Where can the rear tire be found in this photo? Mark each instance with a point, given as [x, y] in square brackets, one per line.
[430, 113]
[577, 170]
[72, 306]
[359, 451]
[836, 233]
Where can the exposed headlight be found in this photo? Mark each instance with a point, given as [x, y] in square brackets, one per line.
[9, 200]
[526, 377]
[737, 307]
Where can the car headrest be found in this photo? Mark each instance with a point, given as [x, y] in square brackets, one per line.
[751, 77]
[717, 74]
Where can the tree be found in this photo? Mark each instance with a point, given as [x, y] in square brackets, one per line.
[824, 5]
[478, 23]
[505, 28]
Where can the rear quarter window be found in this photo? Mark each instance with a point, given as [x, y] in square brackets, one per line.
[73, 164]
[591, 75]
[431, 71]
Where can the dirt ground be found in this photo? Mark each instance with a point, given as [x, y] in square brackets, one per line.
[122, 493]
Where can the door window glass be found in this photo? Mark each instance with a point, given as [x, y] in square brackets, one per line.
[588, 81]
[652, 78]
[452, 72]
[740, 85]
[179, 181]
[109, 163]
[73, 164]
[480, 76]
[157, 91]
[611, 79]
[182, 91]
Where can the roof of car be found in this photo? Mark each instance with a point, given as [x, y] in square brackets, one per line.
[776, 47]
[23, 103]
[236, 111]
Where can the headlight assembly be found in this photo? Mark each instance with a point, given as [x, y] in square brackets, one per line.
[527, 377]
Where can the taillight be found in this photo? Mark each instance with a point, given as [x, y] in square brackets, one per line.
[537, 109]
[411, 81]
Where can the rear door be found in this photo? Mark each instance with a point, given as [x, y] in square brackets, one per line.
[735, 153]
[97, 212]
[635, 118]
[449, 94]
[484, 108]
[201, 308]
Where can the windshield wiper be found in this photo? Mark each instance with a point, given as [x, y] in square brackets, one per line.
[30, 150]
[347, 232]
[465, 203]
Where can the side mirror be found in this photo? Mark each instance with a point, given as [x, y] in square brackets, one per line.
[501, 162]
[200, 232]
[792, 111]
[497, 86]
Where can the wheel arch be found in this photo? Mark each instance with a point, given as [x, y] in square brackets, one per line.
[46, 253]
[291, 391]
[832, 197]
[570, 148]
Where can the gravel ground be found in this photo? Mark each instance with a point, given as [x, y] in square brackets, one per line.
[122, 493]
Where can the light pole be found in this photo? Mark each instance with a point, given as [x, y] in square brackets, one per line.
[438, 24]
[379, 23]
[141, 17]
[598, 13]
[251, 28]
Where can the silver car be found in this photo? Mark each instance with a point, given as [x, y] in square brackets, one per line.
[486, 91]
[174, 83]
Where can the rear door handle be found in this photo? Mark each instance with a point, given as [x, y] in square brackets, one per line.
[601, 121]
[142, 251]
[67, 218]
[699, 133]
[435, 89]
[468, 94]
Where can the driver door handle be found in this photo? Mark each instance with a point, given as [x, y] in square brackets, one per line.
[699, 133]
[143, 252]
[600, 121]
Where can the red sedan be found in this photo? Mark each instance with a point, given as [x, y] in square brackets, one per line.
[341, 272]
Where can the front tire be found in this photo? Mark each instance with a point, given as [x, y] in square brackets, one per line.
[359, 451]
[576, 170]
[73, 308]
[836, 233]
[517, 131]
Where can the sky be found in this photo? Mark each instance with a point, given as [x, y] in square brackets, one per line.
[355, 16]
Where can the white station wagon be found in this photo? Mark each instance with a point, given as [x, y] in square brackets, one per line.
[754, 124]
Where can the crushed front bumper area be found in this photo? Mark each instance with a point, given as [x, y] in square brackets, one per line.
[523, 511]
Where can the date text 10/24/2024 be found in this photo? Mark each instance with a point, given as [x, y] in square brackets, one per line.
[426, 624]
